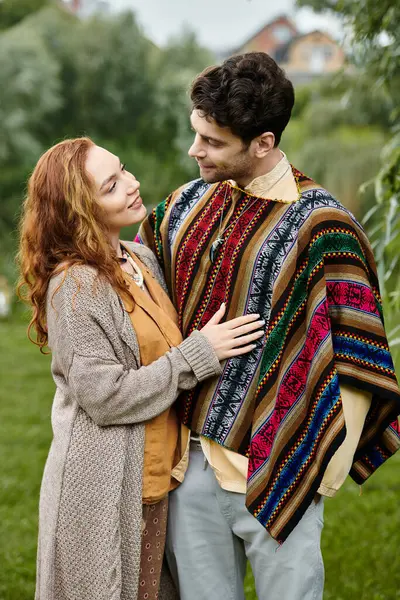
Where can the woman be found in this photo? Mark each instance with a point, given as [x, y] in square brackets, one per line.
[118, 362]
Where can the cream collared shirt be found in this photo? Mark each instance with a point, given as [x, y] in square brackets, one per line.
[230, 468]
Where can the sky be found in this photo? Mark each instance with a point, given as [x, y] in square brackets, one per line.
[219, 24]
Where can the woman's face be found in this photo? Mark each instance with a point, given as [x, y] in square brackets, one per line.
[118, 190]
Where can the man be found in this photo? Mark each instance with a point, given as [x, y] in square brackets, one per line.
[318, 397]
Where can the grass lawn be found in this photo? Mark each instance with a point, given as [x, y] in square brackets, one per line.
[361, 539]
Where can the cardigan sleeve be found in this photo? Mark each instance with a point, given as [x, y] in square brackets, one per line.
[85, 336]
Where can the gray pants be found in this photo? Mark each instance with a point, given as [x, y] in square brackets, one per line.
[211, 535]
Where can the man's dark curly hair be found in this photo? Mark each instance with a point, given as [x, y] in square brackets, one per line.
[248, 93]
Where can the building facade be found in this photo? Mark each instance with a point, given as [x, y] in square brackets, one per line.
[303, 56]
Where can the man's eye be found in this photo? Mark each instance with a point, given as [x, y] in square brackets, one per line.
[112, 188]
[123, 167]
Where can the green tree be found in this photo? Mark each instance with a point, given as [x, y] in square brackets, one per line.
[30, 93]
[12, 11]
[338, 128]
[101, 77]
[176, 66]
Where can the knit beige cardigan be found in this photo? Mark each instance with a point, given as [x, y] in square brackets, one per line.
[91, 495]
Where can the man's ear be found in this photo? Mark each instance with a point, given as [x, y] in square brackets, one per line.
[264, 143]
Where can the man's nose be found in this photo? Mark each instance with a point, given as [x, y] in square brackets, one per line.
[196, 151]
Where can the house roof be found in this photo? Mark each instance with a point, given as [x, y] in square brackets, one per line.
[261, 29]
[282, 52]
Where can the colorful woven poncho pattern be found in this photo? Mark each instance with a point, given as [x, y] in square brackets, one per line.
[308, 269]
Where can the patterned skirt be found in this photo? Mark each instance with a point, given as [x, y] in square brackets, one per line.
[153, 544]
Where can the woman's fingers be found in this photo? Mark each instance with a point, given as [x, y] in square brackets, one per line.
[234, 337]
[246, 339]
[240, 321]
[250, 327]
[216, 318]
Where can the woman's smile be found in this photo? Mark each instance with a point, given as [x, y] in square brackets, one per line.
[136, 203]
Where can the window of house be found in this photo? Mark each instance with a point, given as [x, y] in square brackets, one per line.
[328, 52]
[317, 59]
[282, 33]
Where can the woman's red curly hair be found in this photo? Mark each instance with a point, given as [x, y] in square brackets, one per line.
[62, 225]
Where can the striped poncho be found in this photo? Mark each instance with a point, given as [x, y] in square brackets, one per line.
[308, 269]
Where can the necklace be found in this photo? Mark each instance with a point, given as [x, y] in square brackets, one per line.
[137, 276]
[217, 243]
[215, 246]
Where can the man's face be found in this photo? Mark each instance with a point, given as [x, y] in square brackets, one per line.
[219, 153]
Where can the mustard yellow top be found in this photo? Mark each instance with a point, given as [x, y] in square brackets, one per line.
[155, 323]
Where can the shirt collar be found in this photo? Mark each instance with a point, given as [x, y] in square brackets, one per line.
[263, 185]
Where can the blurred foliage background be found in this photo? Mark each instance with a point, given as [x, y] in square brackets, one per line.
[63, 77]
[359, 113]
[60, 77]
